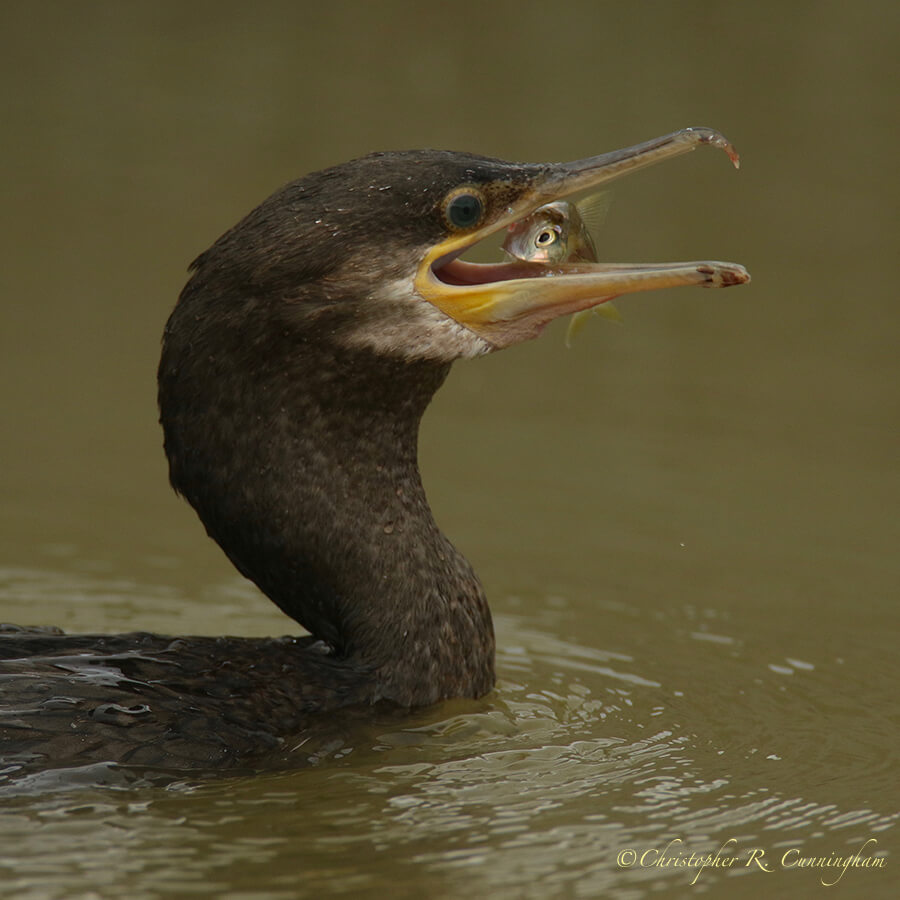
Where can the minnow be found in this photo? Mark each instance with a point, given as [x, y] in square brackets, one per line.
[556, 233]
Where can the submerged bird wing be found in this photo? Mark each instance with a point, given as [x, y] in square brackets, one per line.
[150, 700]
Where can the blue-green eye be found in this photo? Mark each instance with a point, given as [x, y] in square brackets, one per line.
[464, 208]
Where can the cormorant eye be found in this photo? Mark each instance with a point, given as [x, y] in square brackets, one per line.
[546, 237]
[464, 208]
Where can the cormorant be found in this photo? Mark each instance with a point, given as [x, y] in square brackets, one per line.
[295, 368]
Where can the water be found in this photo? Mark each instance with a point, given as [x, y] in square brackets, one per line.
[686, 525]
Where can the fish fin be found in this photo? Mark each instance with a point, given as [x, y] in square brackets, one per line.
[576, 323]
[606, 311]
[594, 209]
[578, 320]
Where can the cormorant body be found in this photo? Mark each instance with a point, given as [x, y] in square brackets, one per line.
[295, 369]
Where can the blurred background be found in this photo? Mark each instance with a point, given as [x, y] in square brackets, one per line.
[709, 489]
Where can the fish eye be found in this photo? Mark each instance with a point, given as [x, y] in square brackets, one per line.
[546, 237]
[464, 208]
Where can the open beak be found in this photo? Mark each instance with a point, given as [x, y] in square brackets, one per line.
[508, 302]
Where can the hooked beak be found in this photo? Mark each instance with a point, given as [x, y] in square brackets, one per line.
[506, 303]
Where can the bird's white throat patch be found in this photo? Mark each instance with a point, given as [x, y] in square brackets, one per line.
[409, 327]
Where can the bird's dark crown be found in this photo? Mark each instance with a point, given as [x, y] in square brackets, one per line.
[375, 214]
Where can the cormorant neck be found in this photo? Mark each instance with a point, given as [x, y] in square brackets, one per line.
[301, 459]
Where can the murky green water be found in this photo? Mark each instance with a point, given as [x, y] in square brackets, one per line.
[687, 525]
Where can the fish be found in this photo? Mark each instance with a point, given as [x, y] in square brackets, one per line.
[555, 233]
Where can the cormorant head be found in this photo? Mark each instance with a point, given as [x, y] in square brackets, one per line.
[368, 252]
